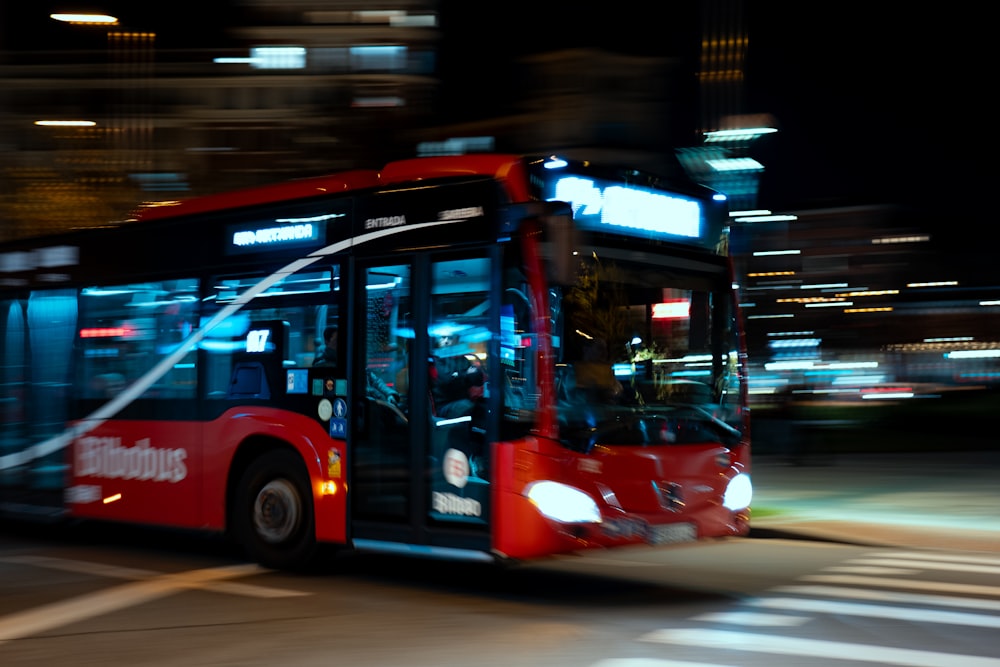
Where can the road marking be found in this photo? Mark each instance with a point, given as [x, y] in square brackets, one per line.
[652, 662]
[814, 648]
[942, 586]
[868, 569]
[955, 558]
[878, 611]
[116, 572]
[930, 565]
[81, 567]
[253, 591]
[47, 617]
[747, 618]
[890, 596]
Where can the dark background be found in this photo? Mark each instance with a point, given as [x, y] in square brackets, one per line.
[876, 102]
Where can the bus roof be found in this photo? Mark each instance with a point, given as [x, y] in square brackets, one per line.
[508, 168]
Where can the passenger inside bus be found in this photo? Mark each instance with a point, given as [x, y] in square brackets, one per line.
[458, 387]
[458, 405]
[327, 357]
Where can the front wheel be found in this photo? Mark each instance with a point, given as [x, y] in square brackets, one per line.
[273, 517]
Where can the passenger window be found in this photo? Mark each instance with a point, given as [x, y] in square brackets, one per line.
[295, 311]
[517, 347]
[127, 330]
[460, 334]
[388, 335]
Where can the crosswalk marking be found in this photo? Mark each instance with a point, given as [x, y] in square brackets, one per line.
[879, 585]
[749, 618]
[882, 582]
[878, 611]
[890, 596]
[930, 565]
[950, 557]
[868, 569]
[814, 648]
[652, 662]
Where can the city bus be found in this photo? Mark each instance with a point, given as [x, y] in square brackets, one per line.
[481, 357]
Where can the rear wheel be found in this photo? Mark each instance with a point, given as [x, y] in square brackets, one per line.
[273, 517]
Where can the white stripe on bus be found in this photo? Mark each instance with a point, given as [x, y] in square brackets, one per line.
[137, 388]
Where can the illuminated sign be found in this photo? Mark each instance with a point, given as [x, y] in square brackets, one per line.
[628, 209]
[672, 310]
[273, 235]
[105, 332]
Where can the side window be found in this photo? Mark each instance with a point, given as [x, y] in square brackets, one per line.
[388, 334]
[52, 319]
[459, 333]
[517, 346]
[127, 330]
[13, 371]
[292, 324]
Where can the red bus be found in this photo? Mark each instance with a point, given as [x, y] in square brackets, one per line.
[472, 357]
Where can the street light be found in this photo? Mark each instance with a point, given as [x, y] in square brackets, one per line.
[119, 145]
[85, 19]
[66, 123]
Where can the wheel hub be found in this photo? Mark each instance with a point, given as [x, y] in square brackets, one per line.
[276, 511]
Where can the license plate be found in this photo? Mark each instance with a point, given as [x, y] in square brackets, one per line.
[672, 533]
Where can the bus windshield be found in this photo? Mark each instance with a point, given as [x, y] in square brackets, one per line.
[647, 353]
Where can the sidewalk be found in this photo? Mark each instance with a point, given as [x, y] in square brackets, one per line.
[945, 500]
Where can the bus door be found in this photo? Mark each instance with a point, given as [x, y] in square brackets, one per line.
[420, 458]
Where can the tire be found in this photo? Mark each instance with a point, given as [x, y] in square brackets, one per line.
[273, 518]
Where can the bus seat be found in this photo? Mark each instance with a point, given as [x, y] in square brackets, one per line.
[248, 381]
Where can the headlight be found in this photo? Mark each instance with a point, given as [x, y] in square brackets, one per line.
[563, 503]
[738, 492]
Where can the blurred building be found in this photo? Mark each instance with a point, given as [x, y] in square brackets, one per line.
[845, 299]
[300, 87]
[314, 86]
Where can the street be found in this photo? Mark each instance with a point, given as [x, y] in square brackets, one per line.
[122, 596]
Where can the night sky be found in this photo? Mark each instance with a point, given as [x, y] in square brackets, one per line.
[880, 106]
[873, 104]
